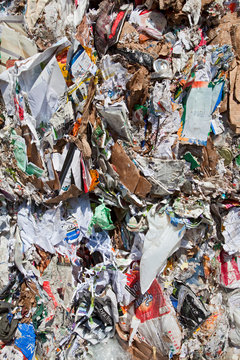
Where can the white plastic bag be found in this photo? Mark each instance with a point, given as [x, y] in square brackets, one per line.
[162, 240]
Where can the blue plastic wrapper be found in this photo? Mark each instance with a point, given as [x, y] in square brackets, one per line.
[26, 343]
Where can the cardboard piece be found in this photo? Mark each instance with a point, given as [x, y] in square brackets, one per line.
[27, 298]
[234, 104]
[237, 83]
[175, 4]
[143, 350]
[83, 144]
[139, 350]
[223, 34]
[83, 33]
[143, 187]
[224, 104]
[32, 152]
[129, 175]
[152, 47]
[138, 87]
[72, 192]
[117, 238]
[206, 3]
[209, 158]
[235, 36]
[54, 184]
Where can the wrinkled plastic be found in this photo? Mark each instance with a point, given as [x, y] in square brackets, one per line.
[102, 218]
[162, 240]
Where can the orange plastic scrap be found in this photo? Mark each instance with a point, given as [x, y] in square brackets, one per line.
[143, 38]
[95, 179]
[124, 309]
[76, 126]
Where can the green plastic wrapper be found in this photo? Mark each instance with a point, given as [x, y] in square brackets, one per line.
[101, 218]
[20, 151]
[237, 160]
[189, 158]
[33, 169]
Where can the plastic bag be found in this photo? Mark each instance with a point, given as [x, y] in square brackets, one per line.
[102, 218]
[26, 343]
[151, 22]
[162, 239]
[190, 308]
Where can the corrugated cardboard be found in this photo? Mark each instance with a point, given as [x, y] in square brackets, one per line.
[237, 83]
[128, 173]
[235, 35]
[210, 158]
[138, 86]
[72, 192]
[234, 104]
[143, 187]
[32, 152]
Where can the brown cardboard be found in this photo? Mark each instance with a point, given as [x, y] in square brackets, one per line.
[128, 173]
[37, 183]
[128, 29]
[209, 159]
[131, 39]
[54, 184]
[72, 192]
[138, 86]
[32, 152]
[138, 355]
[237, 84]
[206, 3]
[27, 300]
[234, 104]
[142, 347]
[175, 4]
[235, 36]
[86, 110]
[151, 4]
[142, 350]
[45, 260]
[117, 238]
[83, 144]
[138, 80]
[143, 187]
[224, 32]
[83, 33]
[224, 104]
[139, 349]
[165, 49]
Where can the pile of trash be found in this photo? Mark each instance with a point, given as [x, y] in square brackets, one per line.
[119, 179]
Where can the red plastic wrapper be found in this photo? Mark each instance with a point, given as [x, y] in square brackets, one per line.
[150, 305]
[230, 275]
